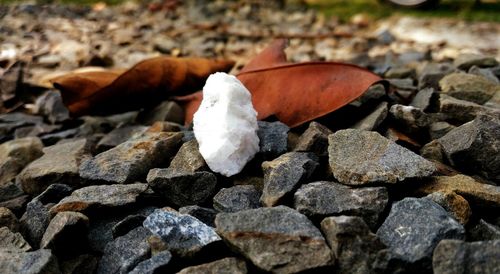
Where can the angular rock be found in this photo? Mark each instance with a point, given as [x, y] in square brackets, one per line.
[431, 74]
[131, 161]
[475, 146]
[165, 111]
[464, 111]
[52, 107]
[453, 256]
[17, 204]
[237, 198]
[469, 87]
[476, 193]
[400, 72]
[439, 129]
[12, 241]
[128, 223]
[100, 197]
[360, 157]
[314, 139]
[10, 191]
[156, 264]
[225, 125]
[353, 244]
[16, 154]
[206, 215]
[321, 199]
[59, 164]
[188, 158]
[413, 229]
[410, 118]
[455, 204]
[374, 119]
[427, 100]
[486, 73]
[118, 136]
[8, 219]
[183, 234]
[277, 239]
[284, 174]
[183, 188]
[273, 139]
[36, 130]
[41, 261]
[66, 234]
[467, 60]
[403, 84]
[226, 265]
[125, 253]
[483, 231]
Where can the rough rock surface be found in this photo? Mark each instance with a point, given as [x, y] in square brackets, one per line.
[41, 261]
[476, 193]
[188, 158]
[131, 161]
[13, 241]
[124, 253]
[183, 234]
[414, 227]
[467, 60]
[469, 87]
[475, 147]
[352, 243]
[59, 164]
[16, 154]
[277, 239]
[226, 265]
[237, 198]
[360, 157]
[427, 100]
[225, 125]
[273, 139]
[156, 264]
[320, 199]
[100, 197]
[453, 256]
[483, 231]
[284, 174]
[455, 204]
[314, 139]
[464, 111]
[183, 188]
[374, 119]
[118, 136]
[8, 219]
[206, 215]
[66, 233]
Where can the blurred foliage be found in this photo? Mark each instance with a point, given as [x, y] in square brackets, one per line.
[487, 10]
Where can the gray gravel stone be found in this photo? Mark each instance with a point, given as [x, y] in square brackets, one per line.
[128, 223]
[439, 129]
[125, 253]
[206, 215]
[155, 264]
[453, 256]
[432, 73]
[277, 239]
[8, 219]
[183, 234]
[183, 188]
[222, 266]
[16, 154]
[464, 111]
[320, 199]
[414, 227]
[118, 136]
[284, 174]
[374, 119]
[59, 164]
[52, 107]
[131, 161]
[314, 139]
[455, 204]
[483, 231]
[273, 139]
[165, 111]
[66, 234]
[12, 241]
[469, 87]
[410, 119]
[237, 198]
[353, 244]
[360, 157]
[427, 100]
[36, 262]
[486, 73]
[475, 147]
[100, 197]
[189, 158]
[466, 60]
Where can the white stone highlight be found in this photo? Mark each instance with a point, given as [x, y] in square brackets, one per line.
[225, 125]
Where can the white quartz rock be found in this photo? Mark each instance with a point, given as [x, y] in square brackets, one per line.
[225, 125]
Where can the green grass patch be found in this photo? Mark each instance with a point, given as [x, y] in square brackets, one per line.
[459, 9]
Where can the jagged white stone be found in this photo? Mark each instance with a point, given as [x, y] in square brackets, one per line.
[225, 125]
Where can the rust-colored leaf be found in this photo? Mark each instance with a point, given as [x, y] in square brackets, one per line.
[146, 83]
[296, 93]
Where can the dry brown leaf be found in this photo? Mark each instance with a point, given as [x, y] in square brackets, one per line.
[146, 83]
